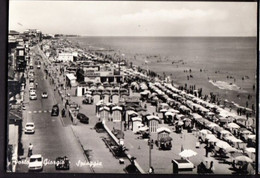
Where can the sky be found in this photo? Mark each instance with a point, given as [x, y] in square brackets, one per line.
[136, 18]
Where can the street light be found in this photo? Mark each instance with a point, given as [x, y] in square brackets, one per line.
[120, 90]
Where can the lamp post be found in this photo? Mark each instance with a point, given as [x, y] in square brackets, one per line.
[121, 123]
[150, 151]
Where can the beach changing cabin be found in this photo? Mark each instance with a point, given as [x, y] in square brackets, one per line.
[163, 138]
[153, 122]
[136, 124]
[117, 113]
[115, 98]
[104, 112]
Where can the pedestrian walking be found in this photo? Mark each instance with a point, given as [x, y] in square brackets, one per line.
[30, 149]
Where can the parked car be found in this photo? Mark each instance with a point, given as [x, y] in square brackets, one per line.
[62, 163]
[29, 127]
[33, 96]
[55, 110]
[44, 95]
[38, 66]
[31, 79]
[87, 101]
[83, 118]
[35, 163]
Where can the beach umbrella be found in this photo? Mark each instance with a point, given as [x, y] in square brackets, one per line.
[244, 159]
[232, 150]
[213, 139]
[180, 123]
[143, 129]
[233, 125]
[211, 113]
[205, 131]
[251, 150]
[222, 144]
[210, 136]
[223, 119]
[173, 110]
[163, 110]
[187, 153]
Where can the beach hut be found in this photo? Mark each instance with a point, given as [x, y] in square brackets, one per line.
[104, 112]
[99, 104]
[163, 138]
[153, 122]
[169, 117]
[106, 97]
[117, 113]
[136, 124]
[96, 97]
[115, 98]
[129, 115]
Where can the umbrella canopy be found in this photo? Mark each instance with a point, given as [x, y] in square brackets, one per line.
[173, 110]
[233, 125]
[250, 150]
[231, 150]
[222, 144]
[187, 153]
[180, 123]
[210, 136]
[143, 128]
[244, 159]
[163, 110]
[211, 114]
[205, 131]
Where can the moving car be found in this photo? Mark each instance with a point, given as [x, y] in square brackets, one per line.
[29, 127]
[62, 163]
[35, 163]
[83, 118]
[33, 96]
[44, 95]
[55, 110]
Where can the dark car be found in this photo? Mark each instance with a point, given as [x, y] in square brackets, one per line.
[83, 118]
[55, 110]
[62, 163]
[87, 101]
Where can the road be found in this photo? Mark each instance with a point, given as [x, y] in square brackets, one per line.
[52, 137]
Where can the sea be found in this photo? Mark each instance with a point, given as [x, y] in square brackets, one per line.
[225, 66]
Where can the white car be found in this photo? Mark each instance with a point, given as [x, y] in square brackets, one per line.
[35, 163]
[44, 95]
[33, 96]
[29, 127]
[38, 66]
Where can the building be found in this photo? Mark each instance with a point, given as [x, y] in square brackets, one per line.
[20, 59]
[71, 80]
[96, 75]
